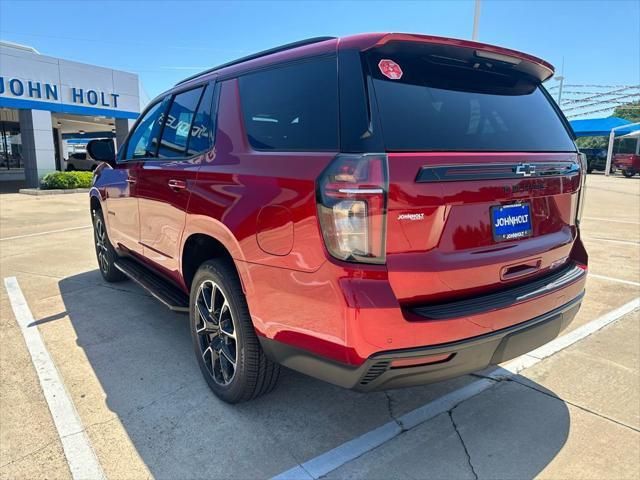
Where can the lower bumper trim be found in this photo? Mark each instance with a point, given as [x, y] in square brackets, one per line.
[502, 299]
[465, 356]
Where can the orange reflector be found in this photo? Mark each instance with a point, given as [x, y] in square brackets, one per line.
[417, 361]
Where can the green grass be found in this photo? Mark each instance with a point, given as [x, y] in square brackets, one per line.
[66, 180]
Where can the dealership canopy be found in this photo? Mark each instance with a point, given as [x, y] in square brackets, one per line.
[601, 127]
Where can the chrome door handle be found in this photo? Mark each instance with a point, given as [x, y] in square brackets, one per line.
[131, 180]
[177, 185]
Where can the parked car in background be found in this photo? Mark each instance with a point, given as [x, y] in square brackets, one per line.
[628, 163]
[81, 161]
[376, 211]
[596, 159]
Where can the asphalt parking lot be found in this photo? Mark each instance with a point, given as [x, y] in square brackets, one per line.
[127, 365]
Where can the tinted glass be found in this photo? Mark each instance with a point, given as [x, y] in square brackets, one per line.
[144, 139]
[435, 107]
[10, 145]
[201, 138]
[178, 124]
[293, 107]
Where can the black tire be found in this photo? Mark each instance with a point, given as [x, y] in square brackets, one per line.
[71, 168]
[628, 172]
[105, 253]
[227, 331]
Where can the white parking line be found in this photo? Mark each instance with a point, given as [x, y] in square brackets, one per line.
[611, 240]
[333, 459]
[583, 331]
[617, 280]
[611, 220]
[45, 233]
[82, 460]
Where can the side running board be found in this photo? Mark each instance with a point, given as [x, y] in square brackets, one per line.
[167, 293]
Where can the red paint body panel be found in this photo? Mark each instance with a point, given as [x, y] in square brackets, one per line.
[452, 251]
[238, 182]
[261, 206]
[348, 314]
[163, 211]
[119, 193]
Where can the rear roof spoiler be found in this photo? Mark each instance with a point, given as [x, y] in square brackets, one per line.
[522, 62]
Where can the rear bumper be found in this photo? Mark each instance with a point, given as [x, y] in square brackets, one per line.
[349, 315]
[453, 359]
[623, 166]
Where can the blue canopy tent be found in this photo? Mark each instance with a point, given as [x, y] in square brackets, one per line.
[601, 127]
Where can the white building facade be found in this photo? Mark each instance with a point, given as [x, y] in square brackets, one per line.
[49, 107]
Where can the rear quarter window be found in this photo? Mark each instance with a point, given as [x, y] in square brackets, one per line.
[435, 107]
[293, 107]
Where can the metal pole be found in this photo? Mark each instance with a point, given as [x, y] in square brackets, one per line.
[561, 78]
[612, 138]
[476, 20]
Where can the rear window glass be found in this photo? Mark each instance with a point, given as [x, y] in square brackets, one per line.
[436, 106]
[293, 107]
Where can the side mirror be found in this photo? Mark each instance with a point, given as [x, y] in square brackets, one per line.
[102, 150]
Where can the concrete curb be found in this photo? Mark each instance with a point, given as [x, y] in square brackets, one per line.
[37, 191]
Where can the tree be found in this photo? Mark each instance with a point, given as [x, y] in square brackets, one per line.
[630, 111]
[592, 142]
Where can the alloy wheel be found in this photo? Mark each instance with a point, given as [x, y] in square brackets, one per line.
[216, 333]
[101, 244]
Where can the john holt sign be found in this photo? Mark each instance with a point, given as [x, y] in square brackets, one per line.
[18, 88]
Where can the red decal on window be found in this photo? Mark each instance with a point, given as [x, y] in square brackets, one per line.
[390, 69]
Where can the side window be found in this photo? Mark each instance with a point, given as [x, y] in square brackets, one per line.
[178, 125]
[202, 130]
[293, 107]
[143, 141]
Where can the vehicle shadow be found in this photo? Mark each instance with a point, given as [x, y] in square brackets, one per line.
[143, 357]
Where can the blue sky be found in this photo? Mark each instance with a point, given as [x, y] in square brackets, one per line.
[166, 41]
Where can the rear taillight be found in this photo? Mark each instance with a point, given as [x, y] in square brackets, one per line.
[352, 205]
[583, 187]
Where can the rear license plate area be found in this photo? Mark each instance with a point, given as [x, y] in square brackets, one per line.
[511, 222]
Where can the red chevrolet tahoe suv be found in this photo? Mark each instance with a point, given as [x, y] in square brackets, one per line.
[376, 211]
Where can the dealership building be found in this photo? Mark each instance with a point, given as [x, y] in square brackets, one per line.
[50, 108]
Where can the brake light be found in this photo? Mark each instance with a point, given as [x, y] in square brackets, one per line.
[352, 203]
[583, 187]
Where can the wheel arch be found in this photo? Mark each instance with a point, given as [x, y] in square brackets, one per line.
[199, 247]
[94, 202]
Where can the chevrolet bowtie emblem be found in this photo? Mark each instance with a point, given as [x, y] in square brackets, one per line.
[525, 169]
